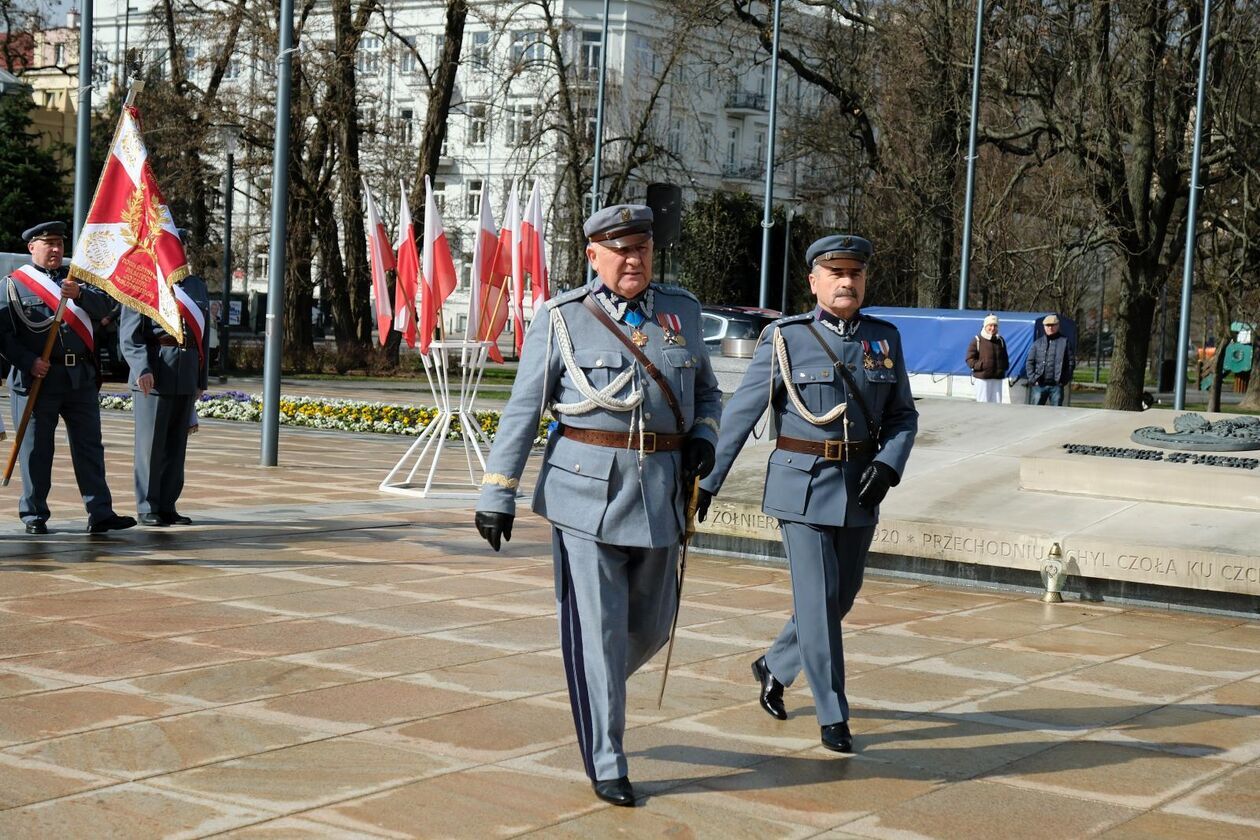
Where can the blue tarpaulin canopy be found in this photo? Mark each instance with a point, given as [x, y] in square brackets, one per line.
[935, 340]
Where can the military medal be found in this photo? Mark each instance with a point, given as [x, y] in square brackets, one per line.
[884, 347]
[639, 337]
[671, 325]
[636, 319]
[868, 361]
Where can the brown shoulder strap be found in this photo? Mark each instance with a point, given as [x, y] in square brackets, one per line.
[653, 370]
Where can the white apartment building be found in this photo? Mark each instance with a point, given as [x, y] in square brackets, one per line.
[709, 115]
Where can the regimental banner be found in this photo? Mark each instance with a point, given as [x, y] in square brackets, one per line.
[129, 245]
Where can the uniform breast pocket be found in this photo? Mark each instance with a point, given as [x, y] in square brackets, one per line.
[680, 365]
[599, 366]
[817, 387]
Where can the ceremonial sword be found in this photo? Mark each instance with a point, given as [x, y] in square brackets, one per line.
[693, 503]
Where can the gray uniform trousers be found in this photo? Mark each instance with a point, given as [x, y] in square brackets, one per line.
[827, 566]
[603, 640]
[160, 450]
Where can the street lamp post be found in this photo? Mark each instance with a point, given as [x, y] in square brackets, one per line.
[126, 39]
[230, 134]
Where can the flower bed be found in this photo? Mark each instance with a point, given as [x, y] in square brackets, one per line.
[322, 413]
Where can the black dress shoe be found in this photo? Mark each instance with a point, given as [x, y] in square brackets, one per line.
[152, 520]
[771, 690]
[836, 737]
[111, 523]
[615, 791]
[36, 526]
[174, 517]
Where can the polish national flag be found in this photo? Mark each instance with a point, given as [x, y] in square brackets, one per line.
[381, 260]
[408, 284]
[488, 305]
[518, 270]
[533, 251]
[437, 268]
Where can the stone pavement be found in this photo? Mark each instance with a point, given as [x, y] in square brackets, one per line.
[316, 659]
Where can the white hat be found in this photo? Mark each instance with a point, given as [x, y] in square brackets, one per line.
[990, 319]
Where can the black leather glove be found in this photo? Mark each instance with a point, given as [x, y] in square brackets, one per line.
[874, 484]
[697, 459]
[494, 526]
[702, 505]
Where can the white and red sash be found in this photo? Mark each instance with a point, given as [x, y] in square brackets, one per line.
[38, 283]
[193, 317]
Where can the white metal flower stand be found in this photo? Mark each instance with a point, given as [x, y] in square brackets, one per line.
[454, 397]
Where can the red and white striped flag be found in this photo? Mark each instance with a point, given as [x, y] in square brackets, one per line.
[129, 245]
[492, 264]
[407, 285]
[533, 251]
[381, 260]
[437, 268]
[518, 270]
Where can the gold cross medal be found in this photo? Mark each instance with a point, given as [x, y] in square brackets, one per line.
[671, 325]
[885, 347]
[639, 337]
[868, 361]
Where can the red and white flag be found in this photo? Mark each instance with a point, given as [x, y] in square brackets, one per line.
[194, 318]
[381, 260]
[129, 245]
[407, 285]
[436, 267]
[533, 252]
[488, 303]
[518, 270]
[38, 283]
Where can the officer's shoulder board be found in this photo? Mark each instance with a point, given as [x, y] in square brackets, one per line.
[879, 322]
[769, 328]
[679, 291]
[568, 297]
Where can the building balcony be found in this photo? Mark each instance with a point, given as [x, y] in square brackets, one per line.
[745, 102]
[743, 170]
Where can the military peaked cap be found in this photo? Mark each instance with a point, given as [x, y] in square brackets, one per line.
[608, 225]
[840, 246]
[44, 230]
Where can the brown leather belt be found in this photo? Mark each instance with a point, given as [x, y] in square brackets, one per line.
[165, 340]
[831, 450]
[652, 442]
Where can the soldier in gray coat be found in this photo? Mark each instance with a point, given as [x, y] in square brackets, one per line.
[621, 365]
[836, 384]
[28, 301]
[167, 377]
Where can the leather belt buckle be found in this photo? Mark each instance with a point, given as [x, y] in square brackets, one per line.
[648, 441]
[833, 450]
[70, 360]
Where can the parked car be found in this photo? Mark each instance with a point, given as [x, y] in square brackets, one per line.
[722, 322]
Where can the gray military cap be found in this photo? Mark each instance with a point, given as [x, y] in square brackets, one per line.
[45, 230]
[609, 225]
[840, 246]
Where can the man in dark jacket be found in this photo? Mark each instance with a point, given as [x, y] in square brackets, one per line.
[1050, 364]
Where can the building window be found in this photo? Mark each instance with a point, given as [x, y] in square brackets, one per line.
[645, 56]
[100, 65]
[439, 44]
[706, 141]
[233, 69]
[406, 120]
[588, 115]
[590, 55]
[759, 147]
[521, 128]
[472, 207]
[407, 56]
[439, 195]
[528, 48]
[477, 125]
[368, 59]
[59, 55]
[479, 55]
[674, 140]
[732, 146]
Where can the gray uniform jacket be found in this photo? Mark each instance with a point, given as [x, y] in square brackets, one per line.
[21, 346]
[809, 488]
[599, 492]
[176, 370]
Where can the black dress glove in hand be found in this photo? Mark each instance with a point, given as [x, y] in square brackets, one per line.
[697, 459]
[494, 526]
[874, 484]
[702, 506]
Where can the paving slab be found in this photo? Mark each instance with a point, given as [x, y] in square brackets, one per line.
[315, 659]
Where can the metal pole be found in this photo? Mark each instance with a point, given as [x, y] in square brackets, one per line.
[596, 199]
[225, 318]
[767, 219]
[964, 275]
[274, 342]
[1192, 213]
[787, 258]
[83, 124]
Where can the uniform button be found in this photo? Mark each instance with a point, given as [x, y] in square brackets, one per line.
[577, 468]
[688, 364]
[599, 363]
[789, 460]
[647, 415]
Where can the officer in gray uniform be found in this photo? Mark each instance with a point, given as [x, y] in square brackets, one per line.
[167, 377]
[621, 365]
[28, 300]
[837, 386]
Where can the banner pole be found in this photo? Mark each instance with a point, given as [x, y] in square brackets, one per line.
[34, 394]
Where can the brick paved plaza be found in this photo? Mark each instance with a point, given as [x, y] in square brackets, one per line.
[318, 659]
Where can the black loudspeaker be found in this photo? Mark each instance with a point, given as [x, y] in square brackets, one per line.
[666, 203]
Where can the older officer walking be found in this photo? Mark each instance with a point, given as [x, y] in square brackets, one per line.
[28, 302]
[622, 366]
[837, 387]
[166, 379]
